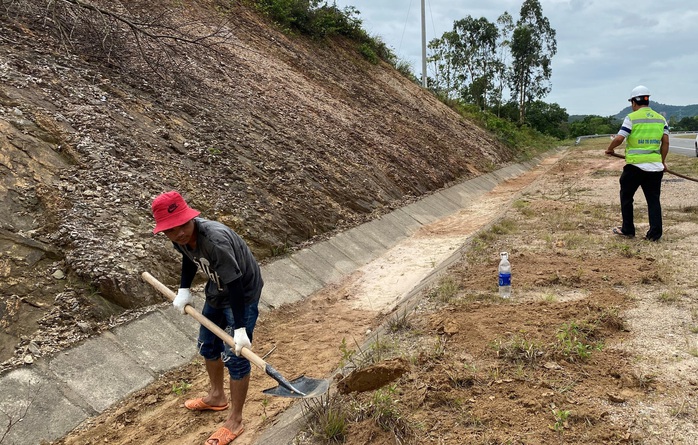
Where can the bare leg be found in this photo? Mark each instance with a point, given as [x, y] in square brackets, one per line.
[238, 394]
[216, 395]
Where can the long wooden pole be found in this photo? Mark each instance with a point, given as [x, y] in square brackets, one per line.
[667, 170]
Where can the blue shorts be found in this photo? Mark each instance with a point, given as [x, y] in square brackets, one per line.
[212, 348]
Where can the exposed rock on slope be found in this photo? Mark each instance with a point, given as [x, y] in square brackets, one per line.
[281, 138]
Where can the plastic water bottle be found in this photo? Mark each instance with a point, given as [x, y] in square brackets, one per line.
[504, 275]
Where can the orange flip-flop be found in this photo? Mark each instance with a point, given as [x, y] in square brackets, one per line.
[200, 405]
[223, 436]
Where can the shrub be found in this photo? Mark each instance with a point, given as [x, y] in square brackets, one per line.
[369, 54]
[318, 19]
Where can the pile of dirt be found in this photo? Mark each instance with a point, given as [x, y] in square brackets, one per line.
[372, 377]
[283, 138]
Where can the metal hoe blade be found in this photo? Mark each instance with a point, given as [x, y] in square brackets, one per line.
[300, 388]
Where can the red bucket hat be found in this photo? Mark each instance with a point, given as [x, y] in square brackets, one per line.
[170, 210]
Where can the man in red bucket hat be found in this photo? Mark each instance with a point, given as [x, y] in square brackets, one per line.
[233, 290]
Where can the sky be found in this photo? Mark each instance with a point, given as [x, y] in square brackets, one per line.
[605, 48]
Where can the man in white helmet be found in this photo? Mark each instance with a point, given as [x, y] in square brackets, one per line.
[647, 135]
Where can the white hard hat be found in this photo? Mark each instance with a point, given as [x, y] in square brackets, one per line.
[640, 91]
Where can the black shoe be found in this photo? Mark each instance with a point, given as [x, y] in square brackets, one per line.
[618, 231]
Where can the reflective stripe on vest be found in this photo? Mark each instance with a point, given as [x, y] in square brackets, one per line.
[645, 139]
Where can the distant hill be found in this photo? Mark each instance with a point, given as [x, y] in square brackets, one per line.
[669, 111]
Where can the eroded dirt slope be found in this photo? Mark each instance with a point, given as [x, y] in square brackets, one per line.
[282, 138]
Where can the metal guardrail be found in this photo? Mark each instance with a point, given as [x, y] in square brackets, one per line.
[591, 136]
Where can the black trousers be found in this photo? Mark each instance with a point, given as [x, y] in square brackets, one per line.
[651, 182]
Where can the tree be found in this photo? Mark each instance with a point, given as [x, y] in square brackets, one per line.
[442, 51]
[465, 61]
[548, 118]
[533, 47]
[475, 53]
[686, 124]
[593, 124]
[506, 28]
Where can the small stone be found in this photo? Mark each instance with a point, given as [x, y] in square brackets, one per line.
[84, 327]
[34, 348]
[28, 359]
[615, 398]
[59, 275]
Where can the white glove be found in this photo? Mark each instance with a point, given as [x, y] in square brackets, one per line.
[182, 299]
[241, 340]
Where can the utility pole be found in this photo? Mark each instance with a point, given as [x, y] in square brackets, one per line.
[424, 48]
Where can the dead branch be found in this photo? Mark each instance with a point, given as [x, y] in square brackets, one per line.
[130, 39]
[141, 28]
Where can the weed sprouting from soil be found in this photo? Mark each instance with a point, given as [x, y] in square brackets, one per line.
[326, 418]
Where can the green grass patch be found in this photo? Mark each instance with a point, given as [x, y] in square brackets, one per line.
[445, 291]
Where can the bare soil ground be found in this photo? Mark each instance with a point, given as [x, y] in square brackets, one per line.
[597, 344]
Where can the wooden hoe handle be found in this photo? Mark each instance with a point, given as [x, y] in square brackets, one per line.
[248, 354]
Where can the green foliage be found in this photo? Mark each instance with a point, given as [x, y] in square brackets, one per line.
[524, 207]
[405, 68]
[381, 49]
[312, 17]
[385, 409]
[547, 118]
[675, 112]
[504, 227]
[594, 125]
[679, 117]
[181, 387]
[469, 62]
[685, 124]
[326, 418]
[526, 141]
[445, 291]
[671, 296]
[518, 349]
[318, 19]
[400, 322]
[573, 341]
[347, 354]
[368, 52]
[474, 42]
[361, 358]
[532, 48]
[561, 417]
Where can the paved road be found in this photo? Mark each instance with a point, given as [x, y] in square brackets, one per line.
[682, 145]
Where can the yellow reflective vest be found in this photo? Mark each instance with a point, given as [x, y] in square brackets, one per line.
[645, 139]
